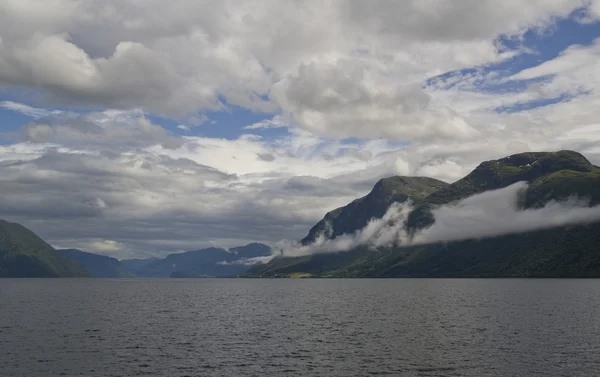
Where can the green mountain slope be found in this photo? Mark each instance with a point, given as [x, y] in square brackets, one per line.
[572, 251]
[357, 214]
[24, 254]
[560, 252]
[552, 175]
[100, 266]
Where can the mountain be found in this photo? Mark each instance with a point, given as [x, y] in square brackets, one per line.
[551, 175]
[210, 262]
[100, 266]
[356, 215]
[569, 251]
[24, 254]
[136, 265]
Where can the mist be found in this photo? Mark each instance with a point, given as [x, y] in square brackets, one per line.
[497, 212]
[489, 214]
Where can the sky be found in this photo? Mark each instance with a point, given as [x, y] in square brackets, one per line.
[137, 129]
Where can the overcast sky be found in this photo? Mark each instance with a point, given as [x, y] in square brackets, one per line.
[139, 128]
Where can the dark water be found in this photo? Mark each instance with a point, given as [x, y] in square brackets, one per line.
[299, 327]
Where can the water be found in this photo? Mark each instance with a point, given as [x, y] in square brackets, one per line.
[89, 327]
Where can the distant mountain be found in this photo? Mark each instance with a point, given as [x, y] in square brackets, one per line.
[24, 254]
[136, 265]
[210, 262]
[570, 251]
[100, 266]
[356, 215]
[187, 275]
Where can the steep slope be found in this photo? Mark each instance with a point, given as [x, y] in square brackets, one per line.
[100, 266]
[572, 251]
[24, 254]
[552, 175]
[210, 262]
[357, 214]
[560, 252]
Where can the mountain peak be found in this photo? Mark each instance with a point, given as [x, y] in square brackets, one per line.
[24, 254]
[409, 186]
[358, 213]
[562, 251]
[538, 162]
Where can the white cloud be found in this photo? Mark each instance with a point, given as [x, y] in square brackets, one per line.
[30, 111]
[276, 122]
[182, 57]
[495, 213]
[103, 245]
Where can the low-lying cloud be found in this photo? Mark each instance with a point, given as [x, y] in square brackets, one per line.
[497, 212]
[489, 214]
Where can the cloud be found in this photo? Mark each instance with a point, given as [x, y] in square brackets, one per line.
[104, 245]
[247, 261]
[496, 213]
[154, 200]
[108, 169]
[355, 102]
[276, 122]
[28, 110]
[97, 129]
[385, 232]
[168, 61]
[489, 214]
[573, 72]
[351, 91]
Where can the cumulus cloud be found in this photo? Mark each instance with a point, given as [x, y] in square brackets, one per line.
[353, 102]
[123, 55]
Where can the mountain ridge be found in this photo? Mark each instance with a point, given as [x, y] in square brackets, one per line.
[550, 176]
[100, 266]
[25, 254]
[208, 262]
[359, 212]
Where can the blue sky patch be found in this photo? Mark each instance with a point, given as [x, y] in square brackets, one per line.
[535, 47]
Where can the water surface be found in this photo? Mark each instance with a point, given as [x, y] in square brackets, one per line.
[280, 327]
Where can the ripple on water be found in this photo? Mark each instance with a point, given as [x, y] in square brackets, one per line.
[299, 327]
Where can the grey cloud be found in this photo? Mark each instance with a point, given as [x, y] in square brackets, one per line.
[266, 157]
[180, 57]
[134, 76]
[342, 100]
[359, 154]
[152, 204]
[322, 187]
[98, 130]
[477, 18]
